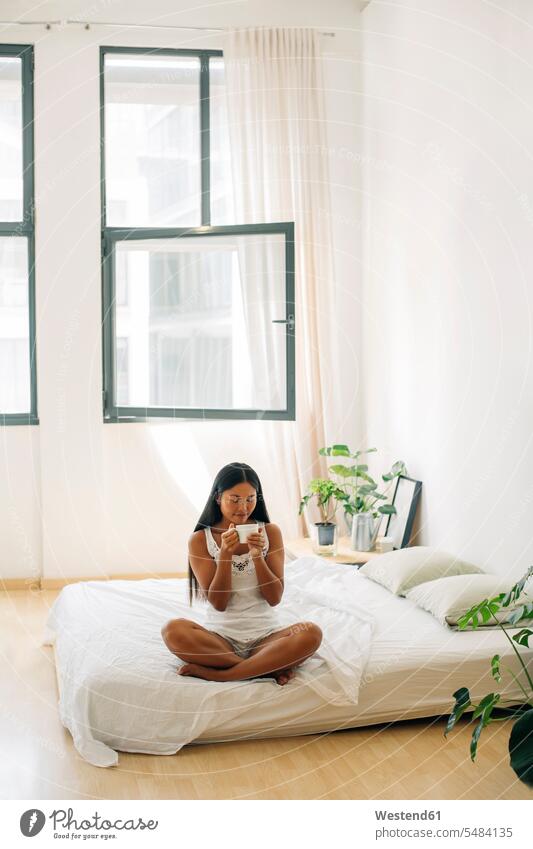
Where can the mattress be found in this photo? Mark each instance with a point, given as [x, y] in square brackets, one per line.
[382, 659]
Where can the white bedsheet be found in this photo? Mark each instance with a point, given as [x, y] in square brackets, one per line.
[118, 684]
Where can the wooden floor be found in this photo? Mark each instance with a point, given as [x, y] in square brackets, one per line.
[408, 760]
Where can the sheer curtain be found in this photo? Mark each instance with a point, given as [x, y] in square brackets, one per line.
[276, 117]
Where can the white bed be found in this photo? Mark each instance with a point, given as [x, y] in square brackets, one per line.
[381, 659]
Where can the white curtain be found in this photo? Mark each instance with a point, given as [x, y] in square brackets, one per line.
[276, 115]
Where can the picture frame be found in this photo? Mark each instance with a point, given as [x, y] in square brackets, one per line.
[405, 499]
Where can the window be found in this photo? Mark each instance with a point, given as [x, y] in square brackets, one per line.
[18, 393]
[198, 312]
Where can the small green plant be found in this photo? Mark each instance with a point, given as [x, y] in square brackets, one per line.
[327, 494]
[521, 737]
[359, 490]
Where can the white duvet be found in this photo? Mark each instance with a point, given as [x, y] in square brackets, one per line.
[119, 687]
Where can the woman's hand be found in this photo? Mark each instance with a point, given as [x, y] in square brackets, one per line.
[256, 543]
[229, 540]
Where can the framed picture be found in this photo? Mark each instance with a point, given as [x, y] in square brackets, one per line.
[400, 524]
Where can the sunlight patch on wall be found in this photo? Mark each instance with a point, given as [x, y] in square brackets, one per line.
[183, 461]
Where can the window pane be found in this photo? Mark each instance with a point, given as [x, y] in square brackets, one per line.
[152, 140]
[198, 322]
[10, 139]
[123, 370]
[222, 208]
[14, 326]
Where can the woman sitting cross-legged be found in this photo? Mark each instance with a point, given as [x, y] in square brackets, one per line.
[242, 583]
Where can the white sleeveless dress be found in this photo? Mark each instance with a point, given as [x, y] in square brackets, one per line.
[248, 616]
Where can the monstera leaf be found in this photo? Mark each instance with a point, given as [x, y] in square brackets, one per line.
[521, 748]
[521, 739]
[483, 712]
[462, 702]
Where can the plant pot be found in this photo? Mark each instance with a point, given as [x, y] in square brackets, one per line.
[324, 537]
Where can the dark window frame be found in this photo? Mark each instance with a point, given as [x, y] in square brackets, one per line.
[25, 227]
[110, 235]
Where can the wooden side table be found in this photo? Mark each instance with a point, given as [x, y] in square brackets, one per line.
[302, 545]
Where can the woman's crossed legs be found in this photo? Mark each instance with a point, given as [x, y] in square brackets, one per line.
[208, 655]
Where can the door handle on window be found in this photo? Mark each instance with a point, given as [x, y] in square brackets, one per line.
[289, 321]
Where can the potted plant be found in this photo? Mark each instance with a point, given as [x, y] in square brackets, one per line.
[360, 494]
[327, 494]
[521, 737]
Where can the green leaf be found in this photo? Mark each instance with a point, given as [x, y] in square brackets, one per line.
[367, 488]
[486, 702]
[335, 451]
[523, 612]
[483, 710]
[521, 747]
[462, 702]
[495, 668]
[387, 509]
[517, 589]
[485, 612]
[399, 467]
[523, 636]
[342, 471]
[482, 610]
[468, 618]
[361, 471]
[475, 739]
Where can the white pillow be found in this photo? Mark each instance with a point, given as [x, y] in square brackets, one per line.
[449, 598]
[403, 569]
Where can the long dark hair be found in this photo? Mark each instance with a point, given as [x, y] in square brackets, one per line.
[228, 476]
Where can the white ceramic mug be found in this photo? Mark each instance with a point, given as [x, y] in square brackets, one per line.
[244, 531]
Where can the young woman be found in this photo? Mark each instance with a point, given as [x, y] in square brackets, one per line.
[242, 583]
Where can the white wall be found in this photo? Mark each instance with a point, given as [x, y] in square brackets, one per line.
[79, 497]
[448, 200]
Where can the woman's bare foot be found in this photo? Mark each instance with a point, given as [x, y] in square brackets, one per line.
[208, 673]
[283, 676]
